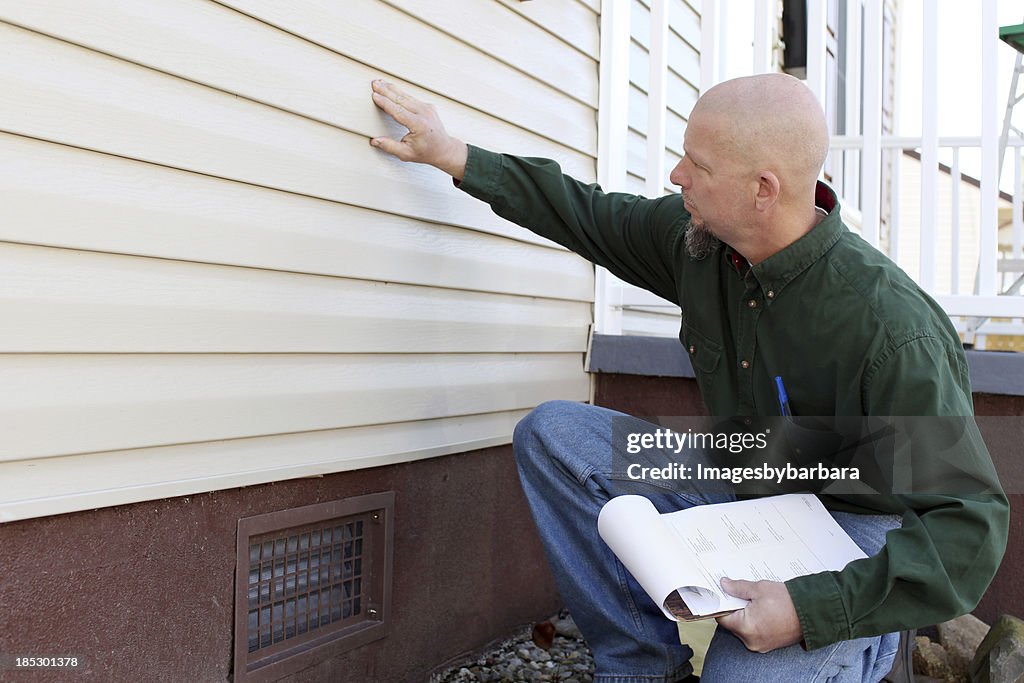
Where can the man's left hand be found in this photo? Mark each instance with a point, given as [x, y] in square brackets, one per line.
[769, 621]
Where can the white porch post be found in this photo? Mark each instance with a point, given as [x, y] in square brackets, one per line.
[817, 26]
[612, 128]
[929, 145]
[871, 161]
[851, 159]
[989, 171]
[763, 32]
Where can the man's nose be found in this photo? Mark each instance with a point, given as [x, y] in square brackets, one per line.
[678, 176]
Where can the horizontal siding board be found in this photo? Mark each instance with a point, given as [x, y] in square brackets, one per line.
[636, 154]
[58, 300]
[635, 184]
[671, 160]
[490, 28]
[680, 95]
[649, 324]
[80, 482]
[675, 126]
[684, 20]
[80, 403]
[639, 66]
[60, 196]
[389, 40]
[187, 38]
[640, 23]
[637, 109]
[684, 61]
[59, 92]
[571, 21]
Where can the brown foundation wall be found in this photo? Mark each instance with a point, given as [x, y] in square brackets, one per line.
[145, 591]
[651, 396]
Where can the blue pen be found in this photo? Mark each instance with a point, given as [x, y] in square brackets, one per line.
[783, 398]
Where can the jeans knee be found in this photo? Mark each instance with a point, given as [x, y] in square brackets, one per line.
[538, 420]
[538, 423]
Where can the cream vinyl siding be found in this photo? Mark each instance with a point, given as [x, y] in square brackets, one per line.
[210, 279]
[682, 90]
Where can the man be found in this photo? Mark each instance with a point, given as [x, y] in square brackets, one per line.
[771, 283]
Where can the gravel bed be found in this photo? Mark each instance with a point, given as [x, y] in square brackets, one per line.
[518, 659]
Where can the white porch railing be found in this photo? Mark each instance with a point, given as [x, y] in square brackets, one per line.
[899, 201]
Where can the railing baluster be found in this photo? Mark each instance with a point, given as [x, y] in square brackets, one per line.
[955, 218]
[894, 217]
[1016, 205]
[989, 170]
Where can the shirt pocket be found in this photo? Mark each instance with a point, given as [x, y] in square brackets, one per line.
[705, 357]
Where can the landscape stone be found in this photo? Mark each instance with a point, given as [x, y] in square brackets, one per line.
[521, 659]
[930, 659]
[961, 637]
[1000, 657]
[567, 627]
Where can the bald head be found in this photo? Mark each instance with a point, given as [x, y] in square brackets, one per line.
[769, 121]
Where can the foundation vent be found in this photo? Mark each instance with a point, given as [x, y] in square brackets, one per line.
[311, 583]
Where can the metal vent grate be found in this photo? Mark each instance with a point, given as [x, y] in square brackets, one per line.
[304, 579]
[310, 577]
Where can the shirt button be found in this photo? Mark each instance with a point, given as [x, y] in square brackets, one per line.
[771, 294]
[745, 364]
[693, 349]
[752, 303]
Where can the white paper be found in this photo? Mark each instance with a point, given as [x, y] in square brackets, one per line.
[774, 538]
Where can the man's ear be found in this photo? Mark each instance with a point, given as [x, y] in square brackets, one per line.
[767, 191]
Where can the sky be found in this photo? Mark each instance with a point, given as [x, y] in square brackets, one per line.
[959, 61]
[959, 64]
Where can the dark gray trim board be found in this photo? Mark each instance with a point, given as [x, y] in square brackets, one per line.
[996, 372]
[992, 372]
[627, 355]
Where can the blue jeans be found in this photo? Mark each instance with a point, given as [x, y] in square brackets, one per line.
[564, 454]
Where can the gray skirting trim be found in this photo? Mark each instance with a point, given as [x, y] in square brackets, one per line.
[992, 372]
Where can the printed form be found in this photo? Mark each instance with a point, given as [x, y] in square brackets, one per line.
[689, 551]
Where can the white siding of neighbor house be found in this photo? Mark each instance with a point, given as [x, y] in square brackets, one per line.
[908, 254]
[682, 90]
[209, 279]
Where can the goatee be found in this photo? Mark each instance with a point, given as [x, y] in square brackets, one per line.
[699, 241]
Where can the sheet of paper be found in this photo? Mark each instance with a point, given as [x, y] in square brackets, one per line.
[774, 539]
[635, 531]
[689, 551]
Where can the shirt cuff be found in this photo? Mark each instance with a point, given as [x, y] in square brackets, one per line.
[819, 606]
[483, 169]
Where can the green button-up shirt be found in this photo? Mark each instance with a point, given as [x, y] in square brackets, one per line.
[850, 334]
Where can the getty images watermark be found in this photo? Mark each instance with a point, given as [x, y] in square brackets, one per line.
[835, 455]
[666, 441]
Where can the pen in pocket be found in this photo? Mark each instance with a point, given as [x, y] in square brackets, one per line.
[783, 398]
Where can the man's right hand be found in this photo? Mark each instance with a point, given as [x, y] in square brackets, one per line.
[427, 142]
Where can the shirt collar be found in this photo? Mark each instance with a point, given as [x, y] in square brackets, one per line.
[778, 270]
